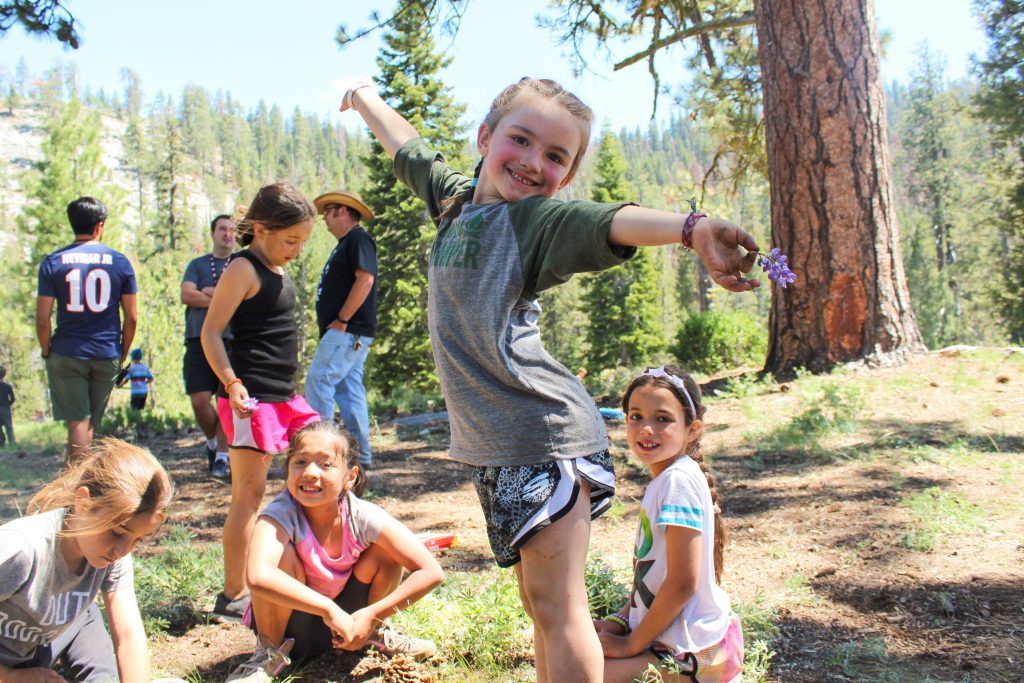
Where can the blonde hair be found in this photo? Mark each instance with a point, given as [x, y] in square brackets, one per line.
[544, 88]
[123, 481]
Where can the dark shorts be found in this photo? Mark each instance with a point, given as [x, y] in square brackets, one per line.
[312, 636]
[198, 374]
[80, 388]
[84, 651]
[139, 401]
[519, 501]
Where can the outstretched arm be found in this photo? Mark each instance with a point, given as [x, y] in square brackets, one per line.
[716, 241]
[387, 125]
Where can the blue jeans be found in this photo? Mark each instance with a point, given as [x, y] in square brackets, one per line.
[336, 376]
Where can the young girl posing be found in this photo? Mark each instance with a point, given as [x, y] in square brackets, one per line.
[75, 543]
[326, 566]
[677, 619]
[258, 407]
[524, 421]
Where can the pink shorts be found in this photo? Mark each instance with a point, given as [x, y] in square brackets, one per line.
[269, 428]
[720, 663]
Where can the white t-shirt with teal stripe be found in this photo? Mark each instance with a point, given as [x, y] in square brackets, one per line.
[679, 496]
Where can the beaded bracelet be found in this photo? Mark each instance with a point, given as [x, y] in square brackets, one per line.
[619, 619]
[691, 222]
[227, 385]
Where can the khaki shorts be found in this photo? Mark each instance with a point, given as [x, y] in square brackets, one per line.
[79, 388]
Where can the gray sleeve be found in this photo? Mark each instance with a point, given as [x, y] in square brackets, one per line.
[17, 563]
[191, 273]
[428, 175]
[119, 575]
[283, 511]
[557, 239]
[367, 520]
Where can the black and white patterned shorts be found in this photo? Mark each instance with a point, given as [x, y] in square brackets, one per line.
[519, 501]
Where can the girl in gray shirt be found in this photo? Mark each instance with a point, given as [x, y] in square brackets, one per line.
[75, 543]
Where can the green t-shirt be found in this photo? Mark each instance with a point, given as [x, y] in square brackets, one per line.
[509, 402]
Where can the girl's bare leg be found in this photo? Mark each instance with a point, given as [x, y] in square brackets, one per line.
[551, 574]
[248, 485]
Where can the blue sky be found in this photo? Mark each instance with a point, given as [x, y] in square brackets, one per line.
[285, 52]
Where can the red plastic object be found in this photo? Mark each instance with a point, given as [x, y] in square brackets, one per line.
[437, 542]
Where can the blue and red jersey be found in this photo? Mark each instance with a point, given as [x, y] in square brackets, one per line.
[87, 282]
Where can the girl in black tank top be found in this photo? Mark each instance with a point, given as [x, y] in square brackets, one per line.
[256, 296]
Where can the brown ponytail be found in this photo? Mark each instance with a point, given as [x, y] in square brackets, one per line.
[693, 389]
[453, 207]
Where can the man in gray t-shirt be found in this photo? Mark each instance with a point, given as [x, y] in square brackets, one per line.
[201, 382]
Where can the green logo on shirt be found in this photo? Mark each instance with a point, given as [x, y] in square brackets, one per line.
[459, 244]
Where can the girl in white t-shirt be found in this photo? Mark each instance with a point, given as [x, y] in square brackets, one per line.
[325, 566]
[678, 618]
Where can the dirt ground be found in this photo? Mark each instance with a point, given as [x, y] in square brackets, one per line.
[819, 536]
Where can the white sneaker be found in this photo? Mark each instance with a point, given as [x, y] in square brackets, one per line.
[265, 663]
[391, 642]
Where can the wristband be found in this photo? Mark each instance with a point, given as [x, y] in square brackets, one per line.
[620, 620]
[227, 385]
[347, 100]
[343, 321]
[691, 222]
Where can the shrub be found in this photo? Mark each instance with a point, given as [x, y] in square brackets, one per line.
[716, 340]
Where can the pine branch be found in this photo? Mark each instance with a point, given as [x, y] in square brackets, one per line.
[745, 19]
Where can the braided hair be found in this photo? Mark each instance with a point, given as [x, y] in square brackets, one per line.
[544, 88]
[693, 450]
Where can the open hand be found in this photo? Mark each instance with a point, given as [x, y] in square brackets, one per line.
[718, 242]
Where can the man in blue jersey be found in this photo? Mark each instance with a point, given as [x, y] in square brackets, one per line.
[91, 285]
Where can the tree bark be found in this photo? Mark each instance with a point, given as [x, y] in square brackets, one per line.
[831, 196]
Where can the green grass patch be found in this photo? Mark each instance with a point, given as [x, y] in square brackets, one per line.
[938, 513]
[173, 585]
[852, 655]
[48, 437]
[827, 406]
[477, 622]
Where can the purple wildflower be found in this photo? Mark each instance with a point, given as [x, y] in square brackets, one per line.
[250, 404]
[775, 264]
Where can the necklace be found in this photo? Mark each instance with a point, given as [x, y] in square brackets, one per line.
[213, 268]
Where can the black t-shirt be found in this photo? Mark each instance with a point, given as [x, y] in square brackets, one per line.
[355, 251]
[265, 350]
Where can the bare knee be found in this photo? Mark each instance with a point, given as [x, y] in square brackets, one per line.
[376, 566]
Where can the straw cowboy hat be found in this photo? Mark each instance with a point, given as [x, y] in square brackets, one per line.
[350, 199]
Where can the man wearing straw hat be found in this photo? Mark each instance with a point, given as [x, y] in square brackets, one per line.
[346, 313]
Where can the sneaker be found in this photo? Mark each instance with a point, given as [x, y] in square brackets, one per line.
[230, 611]
[221, 472]
[211, 455]
[391, 642]
[265, 663]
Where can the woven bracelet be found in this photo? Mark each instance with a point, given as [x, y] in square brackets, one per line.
[620, 620]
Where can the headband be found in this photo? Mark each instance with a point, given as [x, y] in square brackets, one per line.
[674, 381]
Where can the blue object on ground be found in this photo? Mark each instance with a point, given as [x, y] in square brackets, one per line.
[612, 414]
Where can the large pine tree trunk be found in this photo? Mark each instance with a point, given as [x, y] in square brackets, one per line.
[831, 198]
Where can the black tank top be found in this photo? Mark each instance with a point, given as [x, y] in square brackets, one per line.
[264, 351]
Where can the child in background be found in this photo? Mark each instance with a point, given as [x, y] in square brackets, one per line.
[522, 420]
[6, 415]
[75, 543]
[257, 404]
[326, 566]
[678, 618]
[139, 378]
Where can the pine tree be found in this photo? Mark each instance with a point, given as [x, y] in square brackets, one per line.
[1001, 101]
[622, 303]
[409, 81]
